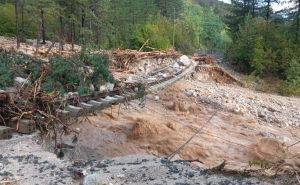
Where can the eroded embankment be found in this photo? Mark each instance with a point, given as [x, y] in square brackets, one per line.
[161, 126]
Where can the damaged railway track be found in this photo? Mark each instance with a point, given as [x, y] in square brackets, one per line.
[62, 109]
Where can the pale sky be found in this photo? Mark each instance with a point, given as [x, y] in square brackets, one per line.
[276, 7]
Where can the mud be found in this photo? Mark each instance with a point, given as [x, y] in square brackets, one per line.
[160, 127]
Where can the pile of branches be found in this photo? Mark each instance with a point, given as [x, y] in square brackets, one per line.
[122, 59]
[204, 59]
[30, 102]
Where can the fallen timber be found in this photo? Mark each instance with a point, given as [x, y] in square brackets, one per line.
[77, 106]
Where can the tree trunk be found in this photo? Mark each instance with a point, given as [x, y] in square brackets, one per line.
[72, 34]
[17, 23]
[268, 10]
[253, 8]
[97, 35]
[43, 26]
[72, 29]
[82, 25]
[298, 23]
[61, 43]
[22, 23]
[38, 39]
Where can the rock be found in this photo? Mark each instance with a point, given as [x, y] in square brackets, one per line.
[129, 80]
[191, 93]
[106, 87]
[110, 86]
[120, 176]
[152, 97]
[93, 179]
[176, 65]
[102, 88]
[19, 81]
[284, 139]
[71, 95]
[91, 87]
[184, 60]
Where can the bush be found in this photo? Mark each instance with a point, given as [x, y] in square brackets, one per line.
[9, 68]
[70, 75]
[100, 63]
[63, 75]
[288, 89]
[6, 75]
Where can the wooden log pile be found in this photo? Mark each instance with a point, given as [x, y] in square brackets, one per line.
[30, 108]
[122, 59]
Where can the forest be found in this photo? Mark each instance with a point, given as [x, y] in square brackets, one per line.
[257, 40]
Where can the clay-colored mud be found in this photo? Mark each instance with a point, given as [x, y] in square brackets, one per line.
[162, 126]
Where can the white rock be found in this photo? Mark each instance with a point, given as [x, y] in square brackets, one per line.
[129, 79]
[285, 138]
[176, 65]
[184, 60]
[121, 176]
[151, 79]
[152, 97]
[102, 88]
[92, 87]
[19, 81]
[94, 179]
[110, 86]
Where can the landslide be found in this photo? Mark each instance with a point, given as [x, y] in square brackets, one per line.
[161, 126]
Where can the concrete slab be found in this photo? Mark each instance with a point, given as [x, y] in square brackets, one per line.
[62, 114]
[120, 99]
[74, 111]
[25, 126]
[98, 105]
[87, 107]
[5, 132]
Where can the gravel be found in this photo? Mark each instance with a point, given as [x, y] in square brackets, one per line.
[266, 108]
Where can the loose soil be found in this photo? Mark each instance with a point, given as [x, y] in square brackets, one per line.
[160, 127]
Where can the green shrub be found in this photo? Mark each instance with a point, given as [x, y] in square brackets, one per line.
[63, 75]
[288, 89]
[100, 63]
[6, 75]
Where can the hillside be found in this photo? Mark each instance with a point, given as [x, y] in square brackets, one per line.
[249, 131]
[179, 92]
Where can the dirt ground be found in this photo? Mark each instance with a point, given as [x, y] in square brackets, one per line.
[159, 127]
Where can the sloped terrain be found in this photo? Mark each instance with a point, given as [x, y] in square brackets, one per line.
[249, 132]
